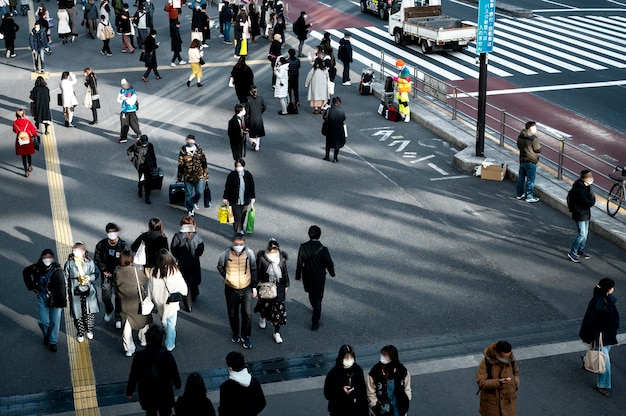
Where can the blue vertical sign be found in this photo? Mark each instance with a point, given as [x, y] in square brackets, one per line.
[486, 21]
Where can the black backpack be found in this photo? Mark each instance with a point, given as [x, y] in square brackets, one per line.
[570, 200]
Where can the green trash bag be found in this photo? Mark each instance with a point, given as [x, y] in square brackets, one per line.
[250, 224]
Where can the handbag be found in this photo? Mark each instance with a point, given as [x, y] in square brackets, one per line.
[201, 62]
[60, 100]
[250, 222]
[196, 35]
[178, 297]
[32, 108]
[595, 358]
[231, 216]
[231, 82]
[82, 289]
[139, 258]
[325, 128]
[87, 100]
[50, 23]
[145, 303]
[331, 87]
[109, 33]
[37, 142]
[207, 195]
[142, 57]
[222, 214]
[267, 290]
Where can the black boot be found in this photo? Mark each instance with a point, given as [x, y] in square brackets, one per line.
[139, 190]
[148, 200]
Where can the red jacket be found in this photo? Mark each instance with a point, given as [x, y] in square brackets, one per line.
[172, 12]
[23, 124]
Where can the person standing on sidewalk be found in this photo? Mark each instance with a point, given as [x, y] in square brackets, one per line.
[150, 46]
[301, 30]
[313, 262]
[239, 193]
[237, 265]
[47, 280]
[195, 55]
[193, 171]
[602, 319]
[128, 117]
[580, 200]
[241, 394]
[107, 258]
[255, 107]
[389, 384]
[344, 386]
[24, 140]
[294, 75]
[344, 53]
[68, 95]
[80, 274]
[91, 82]
[529, 149]
[335, 119]
[38, 42]
[498, 380]
[187, 247]
[91, 18]
[8, 28]
[142, 156]
[176, 45]
[226, 16]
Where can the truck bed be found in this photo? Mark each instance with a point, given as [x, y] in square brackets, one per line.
[437, 22]
[423, 11]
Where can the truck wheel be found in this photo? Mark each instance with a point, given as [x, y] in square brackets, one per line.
[425, 48]
[363, 7]
[382, 14]
[397, 37]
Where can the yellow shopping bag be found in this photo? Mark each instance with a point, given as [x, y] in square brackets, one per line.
[222, 214]
[244, 47]
[231, 216]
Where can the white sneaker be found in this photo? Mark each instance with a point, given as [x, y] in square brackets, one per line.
[262, 323]
[118, 324]
[196, 206]
[532, 200]
[80, 339]
[190, 213]
[89, 335]
[129, 353]
[108, 317]
[182, 62]
[277, 338]
[347, 83]
[220, 36]
[407, 119]
[172, 64]
[143, 343]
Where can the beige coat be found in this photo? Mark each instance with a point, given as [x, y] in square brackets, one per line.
[497, 399]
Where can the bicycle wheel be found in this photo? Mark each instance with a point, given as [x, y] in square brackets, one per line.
[615, 199]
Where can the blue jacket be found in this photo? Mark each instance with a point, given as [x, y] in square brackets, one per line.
[128, 99]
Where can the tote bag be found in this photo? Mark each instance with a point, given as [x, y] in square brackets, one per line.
[595, 359]
[140, 256]
[145, 303]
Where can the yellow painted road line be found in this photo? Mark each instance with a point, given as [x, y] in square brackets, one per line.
[81, 368]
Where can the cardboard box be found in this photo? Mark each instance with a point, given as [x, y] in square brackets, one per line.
[494, 172]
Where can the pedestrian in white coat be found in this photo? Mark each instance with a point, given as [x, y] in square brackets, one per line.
[69, 101]
[281, 88]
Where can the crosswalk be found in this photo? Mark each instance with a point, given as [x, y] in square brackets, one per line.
[539, 45]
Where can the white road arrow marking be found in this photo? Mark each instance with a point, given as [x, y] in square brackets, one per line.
[385, 133]
[438, 169]
[421, 159]
[403, 144]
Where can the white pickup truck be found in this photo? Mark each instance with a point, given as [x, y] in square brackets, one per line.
[421, 21]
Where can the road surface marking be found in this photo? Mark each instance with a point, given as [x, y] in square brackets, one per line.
[445, 178]
[421, 159]
[402, 143]
[503, 62]
[438, 169]
[567, 6]
[472, 61]
[385, 133]
[592, 9]
[549, 88]
[409, 155]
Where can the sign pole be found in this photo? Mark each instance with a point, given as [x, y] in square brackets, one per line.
[482, 106]
[484, 45]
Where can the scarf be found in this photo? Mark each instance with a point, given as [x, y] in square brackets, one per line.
[242, 377]
[273, 270]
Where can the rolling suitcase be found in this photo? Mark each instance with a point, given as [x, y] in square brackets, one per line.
[177, 193]
[156, 178]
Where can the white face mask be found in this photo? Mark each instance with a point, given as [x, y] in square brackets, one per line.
[112, 236]
[384, 360]
[242, 113]
[589, 181]
[348, 362]
[238, 248]
[239, 169]
[47, 261]
[77, 253]
[187, 228]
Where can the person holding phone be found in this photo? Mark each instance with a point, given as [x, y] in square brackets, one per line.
[498, 380]
[344, 387]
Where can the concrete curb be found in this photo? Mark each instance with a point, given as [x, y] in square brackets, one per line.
[550, 190]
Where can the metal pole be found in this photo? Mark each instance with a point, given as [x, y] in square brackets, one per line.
[559, 171]
[482, 106]
[502, 124]
[454, 103]
[382, 63]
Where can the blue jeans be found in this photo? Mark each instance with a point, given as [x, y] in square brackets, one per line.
[581, 239]
[193, 193]
[49, 319]
[604, 380]
[227, 26]
[527, 172]
[169, 325]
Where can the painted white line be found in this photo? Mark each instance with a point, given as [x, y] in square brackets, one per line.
[586, 23]
[589, 30]
[449, 177]
[616, 2]
[438, 169]
[385, 133]
[578, 10]
[472, 61]
[550, 88]
[421, 159]
[402, 143]
[356, 3]
[409, 156]
[397, 137]
[567, 6]
[521, 55]
[410, 153]
[373, 128]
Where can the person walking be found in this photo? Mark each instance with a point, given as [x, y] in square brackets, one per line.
[172, 12]
[143, 22]
[317, 83]
[105, 10]
[529, 149]
[38, 42]
[335, 119]
[498, 380]
[153, 240]
[344, 53]
[26, 135]
[313, 262]
[142, 156]
[344, 386]
[130, 282]
[226, 16]
[46, 279]
[301, 30]
[63, 24]
[123, 25]
[241, 394]
[271, 265]
[239, 193]
[255, 107]
[241, 28]
[193, 170]
[237, 131]
[580, 200]
[80, 274]
[70, 6]
[237, 265]
[176, 45]
[243, 78]
[165, 281]
[194, 400]
[255, 27]
[294, 75]
[389, 384]
[40, 97]
[602, 320]
[9, 28]
[92, 96]
[154, 374]
[195, 55]
[150, 46]
[105, 33]
[107, 257]
[281, 88]
[274, 54]
[127, 97]
[68, 95]
[187, 247]
[92, 12]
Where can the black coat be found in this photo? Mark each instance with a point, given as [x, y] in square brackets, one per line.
[154, 241]
[177, 42]
[335, 135]
[340, 403]
[313, 261]
[255, 107]
[237, 400]
[56, 282]
[231, 188]
[40, 95]
[262, 265]
[142, 157]
[194, 406]
[300, 28]
[581, 199]
[236, 134]
[601, 316]
[92, 82]
[8, 28]
[155, 371]
[244, 79]
[150, 46]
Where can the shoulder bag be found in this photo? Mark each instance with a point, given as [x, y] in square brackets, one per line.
[140, 256]
[267, 290]
[145, 303]
[595, 358]
[83, 288]
[182, 300]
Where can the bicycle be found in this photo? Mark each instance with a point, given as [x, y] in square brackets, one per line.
[615, 199]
